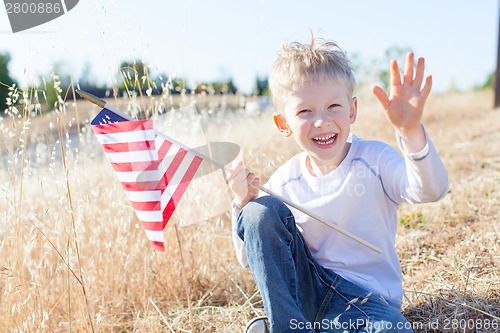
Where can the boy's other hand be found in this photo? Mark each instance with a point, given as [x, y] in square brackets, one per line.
[405, 104]
[243, 183]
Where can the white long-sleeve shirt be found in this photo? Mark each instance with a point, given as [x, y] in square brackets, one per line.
[362, 196]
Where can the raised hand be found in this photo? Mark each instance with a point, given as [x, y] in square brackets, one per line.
[405, 104]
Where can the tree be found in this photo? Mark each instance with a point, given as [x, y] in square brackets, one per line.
[261, 86]
[53, 89]
[490, 82]
[6, 80]
[218, 87]
[379, 70]
[134, 75]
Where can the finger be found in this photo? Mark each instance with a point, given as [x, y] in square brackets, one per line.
[239, 182]
[408, 76]
[254, 188]
[395, 74]
[419, 75]
[381, 96]
[255, 183]
[240, 185]
[250, 177]
[232, 173]
[427, 87]
[231, 167]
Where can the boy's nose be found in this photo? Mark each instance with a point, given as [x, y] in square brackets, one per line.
[322, 121]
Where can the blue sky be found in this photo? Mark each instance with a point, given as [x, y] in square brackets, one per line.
[218, 39]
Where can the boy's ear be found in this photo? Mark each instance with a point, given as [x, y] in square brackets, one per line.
[353, 112]
[282, 125]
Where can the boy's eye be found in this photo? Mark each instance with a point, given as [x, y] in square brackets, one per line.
[303, 111]
[334, 106]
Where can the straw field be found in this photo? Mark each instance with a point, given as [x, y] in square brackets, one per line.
[73, 257]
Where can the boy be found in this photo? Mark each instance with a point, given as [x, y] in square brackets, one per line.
[311, 278]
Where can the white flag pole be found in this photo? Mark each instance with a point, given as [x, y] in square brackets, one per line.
[102, 103]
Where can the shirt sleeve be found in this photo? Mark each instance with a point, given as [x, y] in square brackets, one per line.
[414, 178]
[239, 245]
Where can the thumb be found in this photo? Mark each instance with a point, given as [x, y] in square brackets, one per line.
[232, 170]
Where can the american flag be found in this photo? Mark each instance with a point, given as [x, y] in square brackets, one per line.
[154, 172]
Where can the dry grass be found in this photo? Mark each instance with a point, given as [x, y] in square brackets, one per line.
[74, 258]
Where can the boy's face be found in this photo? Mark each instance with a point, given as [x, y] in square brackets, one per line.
[319, 116]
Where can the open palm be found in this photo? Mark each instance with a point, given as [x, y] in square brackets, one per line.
[405, 104]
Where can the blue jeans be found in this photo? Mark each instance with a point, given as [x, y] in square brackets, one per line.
[298, 294]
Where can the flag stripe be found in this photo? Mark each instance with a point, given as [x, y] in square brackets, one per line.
[154, 226]
[155, 235]
[135, 166]
[144, 196]
[164, 147]
[168, 212]
[147, 205]
[158, 246]
[144, 186]
[149, 215]
[124, 126]
[134, 136]
[137, 156]
[138, 176]
[128, 146]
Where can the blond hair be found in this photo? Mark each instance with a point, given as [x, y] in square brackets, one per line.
[298, 64]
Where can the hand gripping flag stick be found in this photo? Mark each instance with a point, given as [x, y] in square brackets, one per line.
[102, 103]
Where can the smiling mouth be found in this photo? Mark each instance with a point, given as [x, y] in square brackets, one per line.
[325, 140]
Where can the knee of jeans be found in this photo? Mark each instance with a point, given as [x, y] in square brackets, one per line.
[263, 215]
